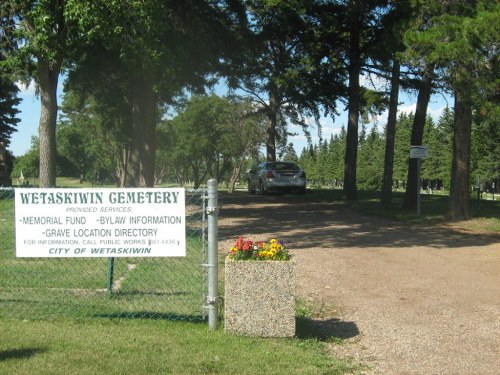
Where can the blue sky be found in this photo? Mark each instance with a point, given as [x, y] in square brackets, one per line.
[30, 114]
[28, 126]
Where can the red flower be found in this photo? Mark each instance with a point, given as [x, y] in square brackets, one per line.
[247, 246]
[239, 243]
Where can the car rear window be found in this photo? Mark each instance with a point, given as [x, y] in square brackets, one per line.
[280, 166]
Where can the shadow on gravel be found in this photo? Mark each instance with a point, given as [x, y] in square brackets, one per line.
[325, 225]
[325, 330]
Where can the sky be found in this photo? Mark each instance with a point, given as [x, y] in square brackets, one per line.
[30, 114]
[28, 126]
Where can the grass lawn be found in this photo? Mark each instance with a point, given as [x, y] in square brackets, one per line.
[485, 213]
[138, 346]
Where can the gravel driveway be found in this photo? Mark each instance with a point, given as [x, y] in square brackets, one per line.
[406, 300]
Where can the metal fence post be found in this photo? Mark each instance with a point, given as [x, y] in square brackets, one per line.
[213, 214]
[111, 273]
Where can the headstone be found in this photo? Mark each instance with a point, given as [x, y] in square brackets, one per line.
[5, 179]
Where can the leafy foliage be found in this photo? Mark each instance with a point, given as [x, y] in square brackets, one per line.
[8, 109]
[323, 162]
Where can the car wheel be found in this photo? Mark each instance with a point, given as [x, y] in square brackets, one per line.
[250, 189]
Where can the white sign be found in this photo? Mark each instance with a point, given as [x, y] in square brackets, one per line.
[418, 152]
[100, 222]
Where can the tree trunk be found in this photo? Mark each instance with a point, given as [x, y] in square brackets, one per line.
[149, 123]
[142, 153]
[417, 134]
[234, 177]
[459, 200]
[391, 134]
[48, 77]
[136, 143]
[271, 127]
[122, 169]
[351, 153]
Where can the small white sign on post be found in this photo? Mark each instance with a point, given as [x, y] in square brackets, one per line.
[418, 152]
[100, 222]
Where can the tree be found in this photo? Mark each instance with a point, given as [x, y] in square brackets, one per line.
[28, 163]
[390, 134]
[476, 38]
[363, 23]
[165, 163]
[290, 154]
[41, 38]
[371, 160]
[8, 90]
[438, 137]
[461, 40]
[197, 133]
[355, 13]
[99, 122]
[157, 49]
[279, 68]
[8, 111]
[417, 135]
[485, 163]
[73, 145]
[306, 161]
[216, 136]
[387, 64]
[401, 152]
[243, 132]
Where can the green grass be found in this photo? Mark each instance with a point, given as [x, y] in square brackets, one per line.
[485, 214]
[152, 347]
[39, 288]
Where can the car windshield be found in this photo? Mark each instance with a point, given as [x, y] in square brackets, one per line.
[280, 166]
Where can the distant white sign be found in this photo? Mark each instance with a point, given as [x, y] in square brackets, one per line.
[100, 222]
[418, 152]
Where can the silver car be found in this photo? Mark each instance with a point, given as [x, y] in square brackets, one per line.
[276, 176]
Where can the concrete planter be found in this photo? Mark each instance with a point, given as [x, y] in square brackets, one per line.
[260, 298]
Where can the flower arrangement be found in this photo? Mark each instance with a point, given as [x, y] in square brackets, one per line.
[259, 250]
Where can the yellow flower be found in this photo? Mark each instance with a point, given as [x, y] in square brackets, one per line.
[272, 250]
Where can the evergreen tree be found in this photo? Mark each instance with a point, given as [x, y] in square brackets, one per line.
[8, 90]
[371, 161]
[438, 138]
[279, 67]
[8, 109]
[402, 149]
[485, 158]
[363, 25]
[290, 154]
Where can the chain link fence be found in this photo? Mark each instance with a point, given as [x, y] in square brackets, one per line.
[172, 288]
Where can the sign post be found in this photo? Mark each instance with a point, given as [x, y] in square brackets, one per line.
[418, 152]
